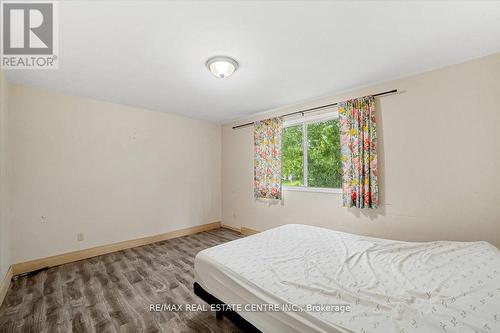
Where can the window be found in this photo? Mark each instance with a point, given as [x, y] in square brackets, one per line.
[311, 153]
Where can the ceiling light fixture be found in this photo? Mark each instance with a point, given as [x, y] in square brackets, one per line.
[221, 66]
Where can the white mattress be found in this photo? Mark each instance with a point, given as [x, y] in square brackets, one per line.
[392, 286]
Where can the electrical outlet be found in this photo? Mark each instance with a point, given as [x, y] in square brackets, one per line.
[79, 237]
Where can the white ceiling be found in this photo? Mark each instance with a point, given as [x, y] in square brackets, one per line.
[152, 54]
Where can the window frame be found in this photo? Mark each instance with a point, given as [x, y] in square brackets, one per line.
[305, 121]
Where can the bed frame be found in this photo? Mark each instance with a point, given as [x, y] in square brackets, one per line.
[238, 320]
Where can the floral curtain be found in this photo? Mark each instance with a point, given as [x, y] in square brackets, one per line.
[358, 141]
[267, 158]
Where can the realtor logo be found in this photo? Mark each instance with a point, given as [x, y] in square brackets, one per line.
[29, 35]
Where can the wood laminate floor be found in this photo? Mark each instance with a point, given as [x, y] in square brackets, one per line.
[112, 293]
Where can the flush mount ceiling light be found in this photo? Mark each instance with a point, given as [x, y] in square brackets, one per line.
[221, 66]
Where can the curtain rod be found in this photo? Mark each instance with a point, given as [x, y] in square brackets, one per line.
[317, 108]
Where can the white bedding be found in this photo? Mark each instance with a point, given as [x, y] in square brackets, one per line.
[392, 286]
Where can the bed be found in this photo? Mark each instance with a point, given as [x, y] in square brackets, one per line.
[390, 286]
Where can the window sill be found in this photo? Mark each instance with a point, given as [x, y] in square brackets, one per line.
[312, 189]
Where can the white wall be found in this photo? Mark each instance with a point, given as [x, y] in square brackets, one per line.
[439, 162]
[4, 222]
[109, 171]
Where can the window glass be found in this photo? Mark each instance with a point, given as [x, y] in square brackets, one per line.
[292, 156]
[323, 154]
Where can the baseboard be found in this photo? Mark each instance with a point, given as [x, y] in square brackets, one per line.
[4, 286]
[242, 230]
[33, 265]
[225, 226]
[247, 231]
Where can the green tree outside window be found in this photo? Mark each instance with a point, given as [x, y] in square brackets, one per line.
[323, 155]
